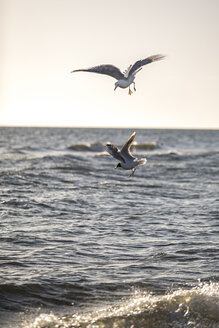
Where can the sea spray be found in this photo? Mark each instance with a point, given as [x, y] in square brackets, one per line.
[194, 307]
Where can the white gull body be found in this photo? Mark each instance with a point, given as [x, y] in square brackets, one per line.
[125, 82]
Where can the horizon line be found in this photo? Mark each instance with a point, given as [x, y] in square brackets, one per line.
[106, 127]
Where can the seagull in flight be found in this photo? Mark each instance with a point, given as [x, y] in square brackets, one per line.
[125, 79]
[126, 160]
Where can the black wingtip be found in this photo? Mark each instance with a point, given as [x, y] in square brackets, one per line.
[77, 70]
[159, 57]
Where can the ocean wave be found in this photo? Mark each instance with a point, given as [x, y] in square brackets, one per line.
[185, 155]
[94, 147]
[195, 307]
[145, 146]
[16, 297]
[100, 147]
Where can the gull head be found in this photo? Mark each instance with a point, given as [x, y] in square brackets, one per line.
[116, 85]
[118, 165]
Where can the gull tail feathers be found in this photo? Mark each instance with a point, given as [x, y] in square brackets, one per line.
[142, 161]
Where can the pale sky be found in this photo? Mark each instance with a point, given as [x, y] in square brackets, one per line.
[43, 41]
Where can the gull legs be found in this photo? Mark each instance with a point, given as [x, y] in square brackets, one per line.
[130, 91]
[133, 171]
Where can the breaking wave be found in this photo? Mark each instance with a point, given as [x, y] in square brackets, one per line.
[196, 307]
[95, 147]
[100, 147]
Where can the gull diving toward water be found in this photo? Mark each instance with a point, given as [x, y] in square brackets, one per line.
[126, 160]
[125, 79]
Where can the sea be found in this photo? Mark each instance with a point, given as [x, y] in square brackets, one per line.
[82, 244]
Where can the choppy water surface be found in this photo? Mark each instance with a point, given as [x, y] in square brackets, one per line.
[83, 245]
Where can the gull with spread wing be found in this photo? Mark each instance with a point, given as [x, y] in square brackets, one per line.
[126, 160]
[125, 79]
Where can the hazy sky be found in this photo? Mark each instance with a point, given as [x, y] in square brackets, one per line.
[43, 40]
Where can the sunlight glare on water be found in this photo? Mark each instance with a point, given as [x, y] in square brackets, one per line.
[196, 307]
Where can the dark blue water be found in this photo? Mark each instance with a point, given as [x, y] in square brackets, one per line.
[84, 245]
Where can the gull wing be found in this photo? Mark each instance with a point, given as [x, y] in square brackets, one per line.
[114, 151]
[125, 151]
[104, 69]
[143, 62]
